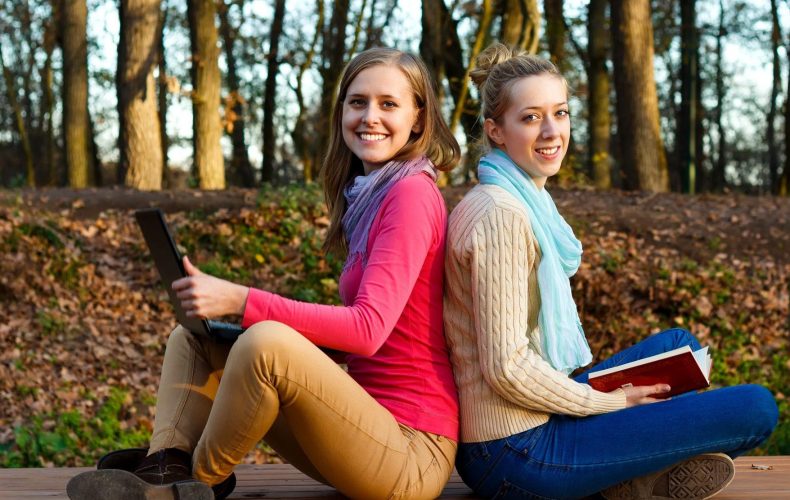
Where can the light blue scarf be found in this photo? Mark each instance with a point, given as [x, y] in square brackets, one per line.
[364, 196]
[564, 344]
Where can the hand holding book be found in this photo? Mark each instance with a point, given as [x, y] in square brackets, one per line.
[643, 394]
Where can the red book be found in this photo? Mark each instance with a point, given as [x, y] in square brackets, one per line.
[683, 369]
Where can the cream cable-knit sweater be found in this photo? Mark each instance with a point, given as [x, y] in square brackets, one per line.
[491, 306]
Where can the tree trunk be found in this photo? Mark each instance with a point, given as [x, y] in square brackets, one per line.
[433, 42]
[773, 148]
[358, 29]
[450, 61]
[301, 142]
[270, 92]
[48, 97]
[75, 92]
[30, 66]
[717, 176]
[140, 135]
[520, 24]
[20, 122]
[209, 165]
[702, 177]
[486, 16]
[686, 140]
[555, 32]
[373, 31]
[162, 91]
[644, 164]
[334, 51]
[784, 180]
[240, 162]
[598, 77]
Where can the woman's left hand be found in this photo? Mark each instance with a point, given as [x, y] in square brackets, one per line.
[204, 296]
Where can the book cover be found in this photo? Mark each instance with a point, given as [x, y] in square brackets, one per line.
[683, 369]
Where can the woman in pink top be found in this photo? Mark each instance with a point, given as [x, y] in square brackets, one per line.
[386, 428]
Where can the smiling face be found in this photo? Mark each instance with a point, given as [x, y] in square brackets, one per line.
[535, 128]
[379, 115]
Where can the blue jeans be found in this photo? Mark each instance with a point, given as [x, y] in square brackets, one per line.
[571, 457]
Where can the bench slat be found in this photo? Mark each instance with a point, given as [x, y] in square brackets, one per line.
[283, 481]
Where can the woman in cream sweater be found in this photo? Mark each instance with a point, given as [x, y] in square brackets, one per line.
[528, 430]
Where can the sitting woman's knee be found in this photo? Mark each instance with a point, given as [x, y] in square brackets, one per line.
[680, 337]
[267, 337]
[179, 335]
[765, 413]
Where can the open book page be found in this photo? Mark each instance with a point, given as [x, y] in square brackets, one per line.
[644, 361]
[703, 359]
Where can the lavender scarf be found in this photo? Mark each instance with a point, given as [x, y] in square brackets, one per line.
[364, 197]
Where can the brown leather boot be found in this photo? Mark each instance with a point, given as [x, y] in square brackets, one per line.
[131, 474]
[131, 459]
[124, 485]
[166, 466]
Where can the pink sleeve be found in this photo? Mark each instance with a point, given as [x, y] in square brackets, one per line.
[409, 222]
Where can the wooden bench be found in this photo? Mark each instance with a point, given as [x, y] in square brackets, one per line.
[769, 481]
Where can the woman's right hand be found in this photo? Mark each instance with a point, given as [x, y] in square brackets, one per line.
[639, 395]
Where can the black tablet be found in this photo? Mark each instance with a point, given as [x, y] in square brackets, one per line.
[168, 262]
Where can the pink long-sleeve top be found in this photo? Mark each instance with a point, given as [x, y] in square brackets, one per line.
[391, 320]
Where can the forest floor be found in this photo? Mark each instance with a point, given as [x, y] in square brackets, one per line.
[84, 321]
[700, 226]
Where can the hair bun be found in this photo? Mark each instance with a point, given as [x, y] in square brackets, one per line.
[485, 62]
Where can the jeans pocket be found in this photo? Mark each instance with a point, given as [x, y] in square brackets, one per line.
[523, 442]
[471, 455]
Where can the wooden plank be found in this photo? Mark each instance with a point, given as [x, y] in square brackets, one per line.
[283, 481]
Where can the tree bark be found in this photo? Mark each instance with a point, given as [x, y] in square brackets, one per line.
[717, 176]
[162, 91]
[334, 52]
[486, 16]
[449, 61]
[686, 140]
[75, 92]
[209, 164]
[520, 24]
[555, 32]
[599, 119]
[31, 67]
[270, 92]
[48, 96]
[240, 162]
[432, 42]
[140, 135]
[358, 29]
[373, 31]
[773, 148]
[20, 122]
[784, 180]
[644, 164]
[301, 142]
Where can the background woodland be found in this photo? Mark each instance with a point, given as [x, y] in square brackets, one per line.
[99, 92]
[218, 111]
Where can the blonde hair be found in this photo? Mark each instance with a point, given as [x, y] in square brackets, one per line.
[497, 70]
[433, 140]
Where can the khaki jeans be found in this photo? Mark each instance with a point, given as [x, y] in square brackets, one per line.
[217, 401]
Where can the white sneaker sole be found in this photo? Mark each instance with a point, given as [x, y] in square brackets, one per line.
[697, 478]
